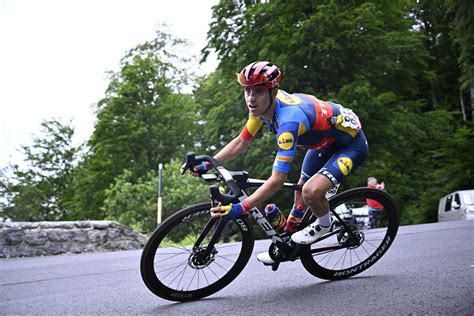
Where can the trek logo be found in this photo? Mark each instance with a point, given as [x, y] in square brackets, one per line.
[262, 221]
[327, 174]
[286, 140]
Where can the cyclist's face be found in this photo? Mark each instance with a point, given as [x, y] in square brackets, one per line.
[257, 100]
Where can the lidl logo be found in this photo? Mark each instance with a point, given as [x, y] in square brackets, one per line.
[288, 98]
[286, 141]
[345, 164]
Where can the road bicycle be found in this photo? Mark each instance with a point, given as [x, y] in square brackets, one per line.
[186, 259]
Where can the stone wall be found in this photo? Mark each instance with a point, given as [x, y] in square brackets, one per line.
[28, 239]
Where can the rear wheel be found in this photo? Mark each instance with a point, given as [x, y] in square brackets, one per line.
[176, 263]
[352, 248]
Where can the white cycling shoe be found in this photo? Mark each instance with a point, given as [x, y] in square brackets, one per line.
[265, 258]
[310, 234]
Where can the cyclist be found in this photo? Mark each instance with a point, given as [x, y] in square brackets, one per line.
[331, 133]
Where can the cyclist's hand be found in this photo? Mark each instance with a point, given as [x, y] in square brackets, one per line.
[231, 211]
[198, 169]
[203, 166]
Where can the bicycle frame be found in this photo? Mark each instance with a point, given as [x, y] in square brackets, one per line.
[238, 182]
[346, 251]
[275, 236]
[278, 239]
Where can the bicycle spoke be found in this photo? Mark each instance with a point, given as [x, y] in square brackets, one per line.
[190, 282]
[181, 248]
[210, 269]
[367, 240]
[173, 269]
[182, 275]
[204, 274]
[182, 265]
[226, 270]
[355, 252]
[172, 256]
[224, 257]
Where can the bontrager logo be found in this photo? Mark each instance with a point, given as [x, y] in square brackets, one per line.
[369, 261]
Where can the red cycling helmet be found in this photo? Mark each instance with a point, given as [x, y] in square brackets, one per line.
[259, 74]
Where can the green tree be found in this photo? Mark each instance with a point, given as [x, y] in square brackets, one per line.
[441, 90]
[142, 120]
[463, 35]
[42, 190]
[134, 202]
[390, 61]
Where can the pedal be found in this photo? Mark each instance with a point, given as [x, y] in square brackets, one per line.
[275, 266]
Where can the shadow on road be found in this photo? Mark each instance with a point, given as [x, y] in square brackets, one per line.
[352, 288]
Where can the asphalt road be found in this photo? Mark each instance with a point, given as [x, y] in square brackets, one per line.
[428, 270]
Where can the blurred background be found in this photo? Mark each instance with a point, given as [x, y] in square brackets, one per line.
[405, 67]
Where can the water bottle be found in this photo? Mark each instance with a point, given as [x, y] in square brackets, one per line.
[275, 216]
[294, 218]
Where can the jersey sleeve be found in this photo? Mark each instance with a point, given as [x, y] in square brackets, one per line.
[287, 138]
[251, 128]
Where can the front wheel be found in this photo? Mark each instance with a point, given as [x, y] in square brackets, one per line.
[177, 262]
[357, 245]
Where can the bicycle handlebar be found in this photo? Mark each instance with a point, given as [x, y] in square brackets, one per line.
[192, 160]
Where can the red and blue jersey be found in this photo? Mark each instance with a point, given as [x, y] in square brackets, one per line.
[302, 119]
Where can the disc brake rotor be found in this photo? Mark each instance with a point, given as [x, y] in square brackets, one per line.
[199, 260]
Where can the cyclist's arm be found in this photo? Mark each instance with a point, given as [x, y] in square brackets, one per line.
[267, 190]
[237, 146]
[240, 144]
[287, 139]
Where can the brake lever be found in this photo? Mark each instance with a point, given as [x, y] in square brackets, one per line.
[189, 163]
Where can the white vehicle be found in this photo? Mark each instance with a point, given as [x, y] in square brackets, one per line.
[455, 206]
[355, 215]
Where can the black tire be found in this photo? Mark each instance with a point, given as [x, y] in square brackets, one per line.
[170, 264]
[373, 243]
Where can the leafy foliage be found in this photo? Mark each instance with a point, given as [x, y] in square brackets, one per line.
[403, 66]
[43, 190]
[376, 57]
[133, 202]
[135, 119]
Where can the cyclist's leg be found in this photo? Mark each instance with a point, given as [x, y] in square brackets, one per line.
[345, 159]
[314, 186]
[314, 194]
[312, 163]
[334, 171]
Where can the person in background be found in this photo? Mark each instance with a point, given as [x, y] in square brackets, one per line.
[375, 208]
